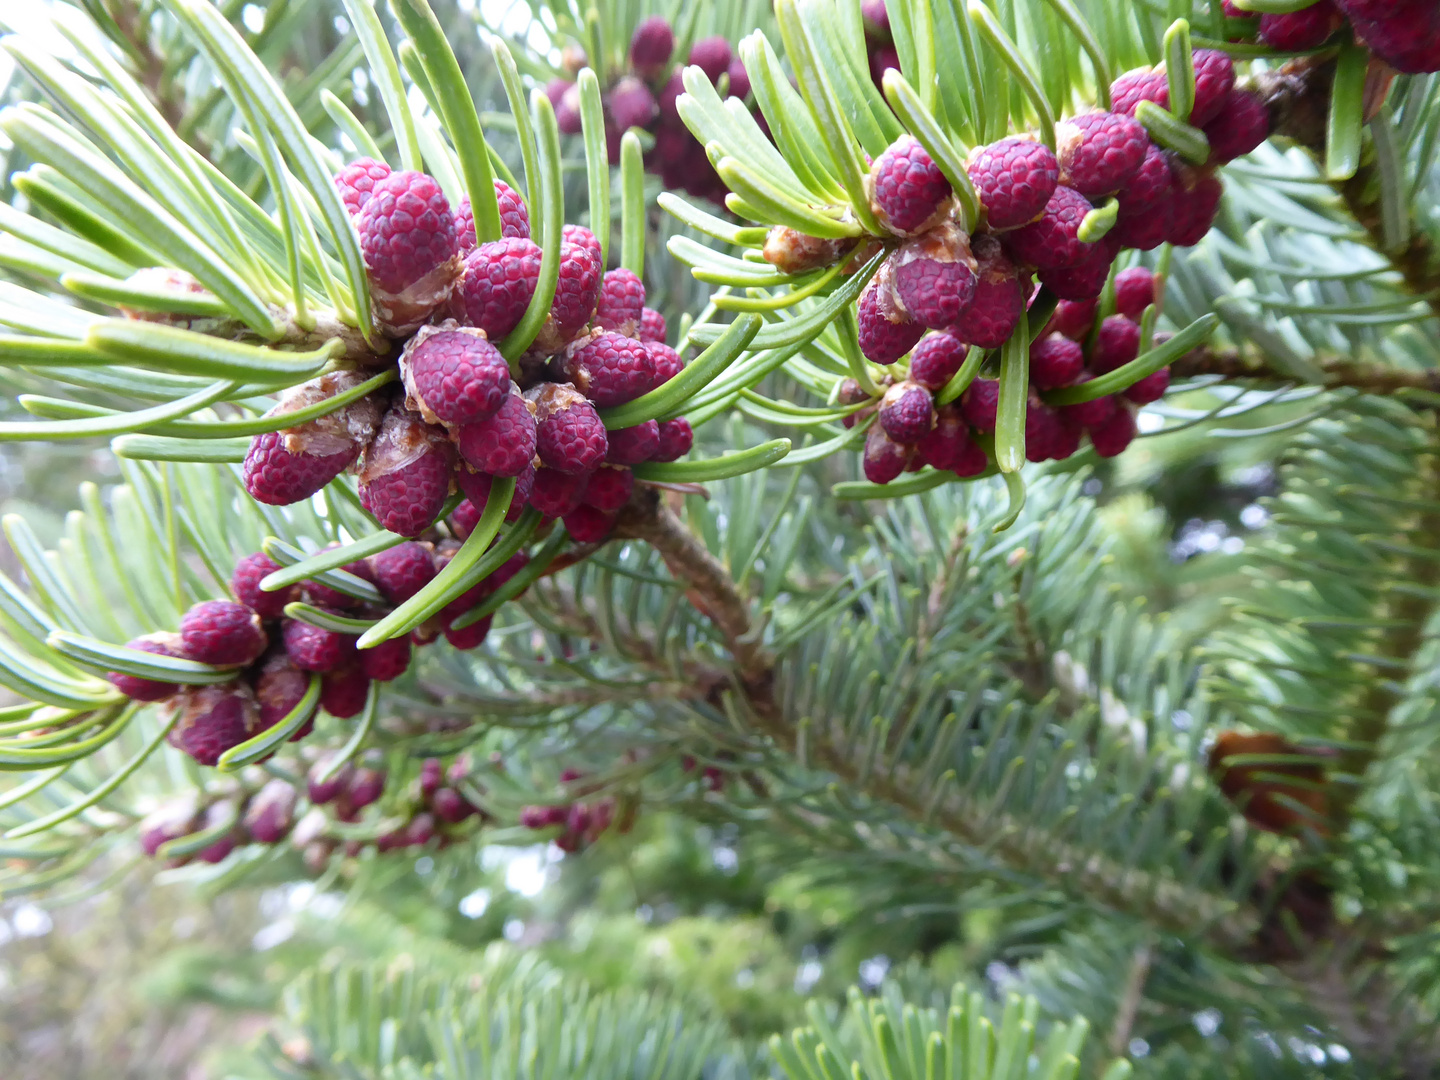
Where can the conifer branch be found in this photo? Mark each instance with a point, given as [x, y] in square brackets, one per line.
[1341, 372]
[1165, 902]
[1405, 615]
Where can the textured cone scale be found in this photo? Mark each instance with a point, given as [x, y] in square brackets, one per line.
[213, 719]
[1089, 414]
[403, 570]
[324, 596]
[909, 193]
[1099, 152]
[134, 687]
[884, 459]
[1151, 388]
[469, 637]
[503, 444]
[222, 632]
[408, 239]
[1042, 431]
[1053, 241]
[979, 404]
[1214, 79]
[453, 375]
[712, 55]
[666, 360]
[632, 104]
[365, 787]
[497, 281]
[275, 476]
[622, 302]
[1086, 278]
[1133, 87]
[576, 293]
[357, 180]
[1408, 41]
[1134, 291]
[1300, 31]
[1000, 294]
[739, 79]
[278, 689]
[934, 362]
[1151, 185]
[215, 817]
[569, 436]
[1197, 201]
[948, 446]
[578, 234]
[609, 488]
[407, 474]
[1055, 361]
[343, 692]
[1065, 438]
[431, 773]
[312, 649]
[567, 109]
[466, 515]
[386, 661]
[169, 822]
[476, 487]
[610, 369]
[450, 806]
[881, 61]
[1115, 434]
[1242, 125]
[245, 584]
[652, 326]
[284, 467]
[556, 493]
[1014, 179]
[514, 218]
[633, 445]
[1116, 343]
[1074, 318]
[793, 252]
[651, 47]
[676, 438]
[1380, 9]
[271, 812]
[934, 276]
[589, 524]
[1145, 230]
[907, 412]
[877, 19]
[886, 333]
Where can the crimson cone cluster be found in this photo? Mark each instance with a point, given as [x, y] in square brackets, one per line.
[1053, 218]
[322, 815]
[274, 656]
[644, 96]
[463, 415]
[1405, 34]
[580, 821]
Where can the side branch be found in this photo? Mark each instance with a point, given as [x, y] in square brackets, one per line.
[1006, 839]
[1340, 372]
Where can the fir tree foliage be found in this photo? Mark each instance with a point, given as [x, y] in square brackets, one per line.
[937, 695]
